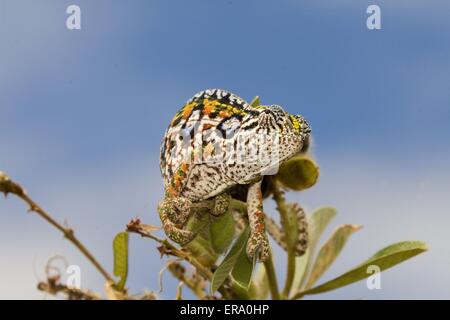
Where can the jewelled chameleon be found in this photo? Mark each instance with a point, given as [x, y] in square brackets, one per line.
[210, 148]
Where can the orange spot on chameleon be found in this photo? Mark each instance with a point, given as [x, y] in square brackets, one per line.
[171, 191]
[209, 106]
[224, 114]
[260, 228]
[187, 110]
[207, 126]
[184, 167]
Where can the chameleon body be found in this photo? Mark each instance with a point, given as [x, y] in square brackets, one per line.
[216, 142]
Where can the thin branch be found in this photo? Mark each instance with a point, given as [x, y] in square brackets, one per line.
[135, 226]
[179, 292]
[193, 282]
[53, 287]
[9, 186]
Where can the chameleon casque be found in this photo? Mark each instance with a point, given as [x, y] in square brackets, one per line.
[215, 143]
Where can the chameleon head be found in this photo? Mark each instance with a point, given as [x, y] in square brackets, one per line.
[292, 131]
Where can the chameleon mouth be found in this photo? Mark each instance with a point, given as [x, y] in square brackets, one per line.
[306, 128]
[304, 125]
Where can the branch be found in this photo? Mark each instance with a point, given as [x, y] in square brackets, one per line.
[8, 186]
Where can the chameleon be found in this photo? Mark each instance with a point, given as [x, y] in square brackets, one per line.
[215, 143]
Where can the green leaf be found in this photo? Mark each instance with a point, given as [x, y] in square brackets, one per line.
[298, 173]
[224, 269]
[243, 270]
[255, 102]
[120, 247]
[201, 247]
[240, 293]
[259, 287]
[317, 224]
[222, 232]
[330, 251]
[384, 259]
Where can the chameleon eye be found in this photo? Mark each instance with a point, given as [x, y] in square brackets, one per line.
[294, 121]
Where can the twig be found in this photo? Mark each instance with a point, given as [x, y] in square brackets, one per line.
[9, 186]
[194, 282]
[53, 287]
[179, 292]
[135, 226]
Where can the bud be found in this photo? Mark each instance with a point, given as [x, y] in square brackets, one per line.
[298, 173]
[3, 176]
[8, 186]
[4, 182]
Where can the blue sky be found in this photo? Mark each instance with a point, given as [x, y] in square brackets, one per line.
[82, 114]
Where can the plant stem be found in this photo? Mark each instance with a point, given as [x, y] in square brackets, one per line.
[297, 295]
[9, 186]
[238, 205]
[273, 283]
[290, 274]
[281, 206]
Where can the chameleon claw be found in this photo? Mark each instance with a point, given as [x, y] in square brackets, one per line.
[258, 245]
[180, 236]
